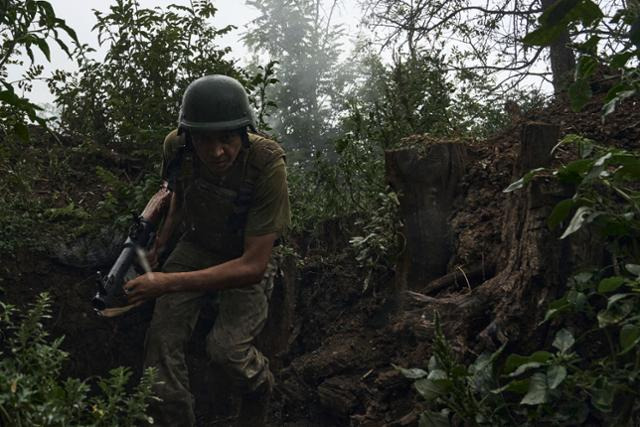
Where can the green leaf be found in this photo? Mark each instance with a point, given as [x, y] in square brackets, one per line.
[433, 363]
[630, 169]
[577, 221]
[583, 277]
[538, 390]
[523, 181]
[618, 308]
[516, 360]
[22, 131]
[617, 94]
[44, 47]
[524, 368]
[610, 284]
[573, 172]
[563, 341]
[588, 12]
[579, 94]
[556, 375]
[543, 36]
[613, 93]
[587, 65]
[430, 390]
[633, 269]
[629, 337]
[585, 147]
[559, 303]
[603, 160]
[437, 374]
[558, 12]
[613, 299]
[482, 371]
[9, 97]
[590, 46]
[560, 212]
[514, 386]
[621, 59]
[553, 312]
[412, 374]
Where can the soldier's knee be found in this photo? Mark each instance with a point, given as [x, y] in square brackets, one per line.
[227, 354]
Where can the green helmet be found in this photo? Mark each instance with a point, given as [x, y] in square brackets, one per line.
[214, 103]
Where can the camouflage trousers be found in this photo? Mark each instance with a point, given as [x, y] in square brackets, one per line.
[241, 315]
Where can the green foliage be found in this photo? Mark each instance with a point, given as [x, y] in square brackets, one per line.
[130, 101]
[258, 86]
[305, 42]
[622, 32]
[449, 387]
[559, 387]
[25, 167]
[410, 97]
[350, 187]
[123, 200]
[26, 25]
[325, 188]
[592, 372]
[606, 195]
[377, 248]
[33, 393]
[555, 20]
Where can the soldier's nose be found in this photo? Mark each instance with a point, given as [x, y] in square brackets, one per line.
[217, 150]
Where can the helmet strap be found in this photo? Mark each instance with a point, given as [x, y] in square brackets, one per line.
[244, 135]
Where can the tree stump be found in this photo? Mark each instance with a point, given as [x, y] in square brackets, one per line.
[533, 264]
[425, 176]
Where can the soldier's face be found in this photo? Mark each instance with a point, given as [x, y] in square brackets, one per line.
[217, 149]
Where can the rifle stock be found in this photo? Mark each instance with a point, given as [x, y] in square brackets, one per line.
[140, 236]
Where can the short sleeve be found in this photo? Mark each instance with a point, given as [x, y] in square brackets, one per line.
[169, 149]
[270, 212]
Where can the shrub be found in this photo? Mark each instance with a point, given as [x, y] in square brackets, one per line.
[32, 393]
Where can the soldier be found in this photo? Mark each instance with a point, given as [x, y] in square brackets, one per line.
[229, 207]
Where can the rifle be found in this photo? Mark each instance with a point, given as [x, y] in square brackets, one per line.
[140, 235]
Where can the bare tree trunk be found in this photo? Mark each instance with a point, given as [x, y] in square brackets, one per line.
[531, 269]
[425, 177]
[563, 62]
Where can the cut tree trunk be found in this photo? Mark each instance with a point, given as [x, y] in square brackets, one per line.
[532, 267]
[425, 176]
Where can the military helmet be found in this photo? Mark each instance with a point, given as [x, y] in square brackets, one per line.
[213, 103]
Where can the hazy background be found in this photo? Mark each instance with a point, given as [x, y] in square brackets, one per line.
[79, 15]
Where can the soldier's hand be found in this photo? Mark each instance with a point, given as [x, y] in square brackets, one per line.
[147, 286]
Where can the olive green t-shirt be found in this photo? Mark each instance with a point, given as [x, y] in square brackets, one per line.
[268, 212]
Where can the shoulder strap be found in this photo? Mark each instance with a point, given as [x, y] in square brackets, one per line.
[176, 165]
[262, 152]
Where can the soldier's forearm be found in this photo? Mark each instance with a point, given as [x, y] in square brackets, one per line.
[239, 272]
[231, 274]
[158, 205]
[171, 221]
